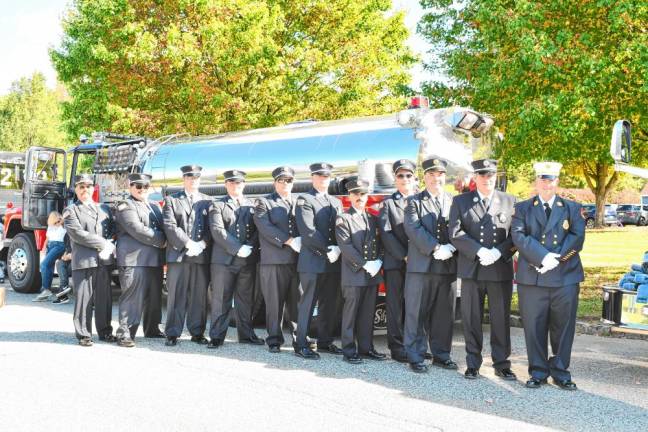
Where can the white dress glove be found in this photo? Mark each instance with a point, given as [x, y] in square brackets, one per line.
[193, 248]
[107, 251]
[296, 244]
[373, 267]
[495, 254]
[333, 254]
[444, 252]
[485, 256]
[549, 262]
[244, 252]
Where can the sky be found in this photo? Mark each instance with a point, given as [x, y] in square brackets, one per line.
[29, 28]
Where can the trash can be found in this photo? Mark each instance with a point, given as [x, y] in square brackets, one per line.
[612, 301]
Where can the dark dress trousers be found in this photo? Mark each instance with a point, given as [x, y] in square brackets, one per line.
[140, 261]
[275, 221]
[395, 243]
[548, 302]
[320, 280]
[187, 277]
[474, 225]
[358, 239]
[90, 227]
[429, 295]
[231, 227]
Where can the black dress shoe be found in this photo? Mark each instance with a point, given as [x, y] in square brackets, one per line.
[400, 358]
[354, 359]
[330, 349]
[157, 335]
[565, 384]
[254, 340]
[307, 353]
[471, 373]
[419, 367]
[108, 338]
[506, 374]
[200, 340]
[373, 355]
[534, 383]
[171, 341]
[445, 364]
[126, 342]
[275, 349]
[85, 342]
[428, 356]
[214, 343]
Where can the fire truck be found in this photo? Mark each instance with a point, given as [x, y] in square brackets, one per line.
[365, 146]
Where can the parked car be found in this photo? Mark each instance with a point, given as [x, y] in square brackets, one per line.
[610, 217]
[634, 214]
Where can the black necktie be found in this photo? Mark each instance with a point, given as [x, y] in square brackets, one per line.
[486, 202]
[547, 210]
[437, 204]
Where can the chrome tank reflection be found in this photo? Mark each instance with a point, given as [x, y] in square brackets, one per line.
[344, 143]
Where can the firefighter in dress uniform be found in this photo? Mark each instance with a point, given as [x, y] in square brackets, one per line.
[357, 236]
[318, 265]
[91, 228]
[549, 233]
[480, 225]
[140, 260]
[188, 240]
[280, 243]
[431, 270]
[233, 262]
[395, 243]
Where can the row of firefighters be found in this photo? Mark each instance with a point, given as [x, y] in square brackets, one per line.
[310, 253]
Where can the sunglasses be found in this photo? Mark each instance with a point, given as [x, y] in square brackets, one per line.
[140, 186]
[285, 180]
[404, 176]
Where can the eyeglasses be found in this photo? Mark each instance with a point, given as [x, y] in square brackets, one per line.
[139, 186]
[285, 180]
[404, 176]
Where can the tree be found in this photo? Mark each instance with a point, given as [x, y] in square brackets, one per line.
[556, 74]
[30, 115]
[208, 66]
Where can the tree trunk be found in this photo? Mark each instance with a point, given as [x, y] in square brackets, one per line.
[601, 183]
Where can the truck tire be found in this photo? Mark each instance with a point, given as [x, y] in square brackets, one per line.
[23, 262]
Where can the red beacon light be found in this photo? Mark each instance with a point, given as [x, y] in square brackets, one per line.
[10, 204]
[419, 102]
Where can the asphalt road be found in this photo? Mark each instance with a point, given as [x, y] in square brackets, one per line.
[48, 382]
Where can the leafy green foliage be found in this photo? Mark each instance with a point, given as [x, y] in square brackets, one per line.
[207, 66]
[556, 74]
[30, 115]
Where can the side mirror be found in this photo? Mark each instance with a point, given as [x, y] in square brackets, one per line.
[621, 144]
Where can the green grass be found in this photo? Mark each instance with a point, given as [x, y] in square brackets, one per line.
[607, 255]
